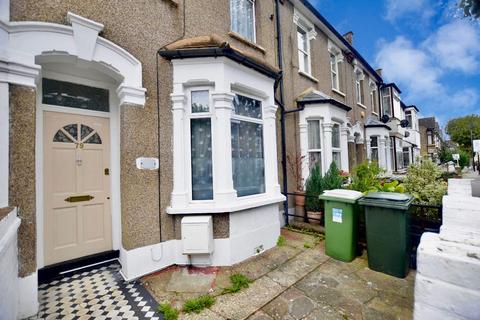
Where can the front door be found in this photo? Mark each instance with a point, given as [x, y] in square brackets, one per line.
[77, 219]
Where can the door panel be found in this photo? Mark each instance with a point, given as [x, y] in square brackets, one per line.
[77, 218]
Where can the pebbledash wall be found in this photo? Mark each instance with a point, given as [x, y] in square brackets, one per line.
[120, 40]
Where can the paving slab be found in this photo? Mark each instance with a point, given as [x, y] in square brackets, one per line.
[191, 280]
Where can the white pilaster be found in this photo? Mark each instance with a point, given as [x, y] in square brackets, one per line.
[179, 193]
[222, 148]
[4, 139]
[382, 161]
[344, 147]
[388, 155]
[327, 146]
[270, 135]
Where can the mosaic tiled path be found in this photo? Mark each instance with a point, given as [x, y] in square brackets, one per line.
[98, 294]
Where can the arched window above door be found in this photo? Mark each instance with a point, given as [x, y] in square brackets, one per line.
[71, 134]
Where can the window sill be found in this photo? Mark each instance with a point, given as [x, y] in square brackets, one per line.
[244, 40]
[362, 105]
[375, 113]
[238, 205]
[339, 92]
[308, 76]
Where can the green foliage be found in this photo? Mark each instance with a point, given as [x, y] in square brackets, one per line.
[307, 245]
[447, 155]
[393, 186]
[196, 305]
[424, 182]
[281, 241]
[169, 312]
[365, 176]
[470, 8]
[459, 131]
[239, 282]
[314, 188]
[316, 184]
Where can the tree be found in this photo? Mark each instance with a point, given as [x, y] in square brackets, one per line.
[459, 130]
[470, 8]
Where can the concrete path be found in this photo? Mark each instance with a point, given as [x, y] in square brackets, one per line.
[295, 281]
[475, 183]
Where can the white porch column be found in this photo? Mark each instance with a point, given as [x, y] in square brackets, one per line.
[388, 155]
[303, 128]
[344, 147]
[179, 193]
[270, 153]
[382, 161]
[327, 146]
[4, 140]
[224, 192]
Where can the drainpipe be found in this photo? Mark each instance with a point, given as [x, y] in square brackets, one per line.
[159, 124]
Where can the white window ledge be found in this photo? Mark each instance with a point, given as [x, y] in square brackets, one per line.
[244, 203]
[308, 76]
[362, 105]
[338, 92]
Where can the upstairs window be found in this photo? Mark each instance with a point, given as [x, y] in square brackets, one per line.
[359, 79]
[373, 96]
[334, 71]
[303, 51]
[408, 117]
[387, 102]
[336, 59]
[429, 137]
[242, 18]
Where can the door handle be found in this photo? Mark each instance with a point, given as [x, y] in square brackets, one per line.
[79, 198]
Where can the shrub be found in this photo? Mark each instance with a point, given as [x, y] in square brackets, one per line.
[198, 304]
[314, 188]
[424, 182]
[365, 176]
[239, 282]
[281, 241]
[392, 186]
[332, 179]
[169, 312]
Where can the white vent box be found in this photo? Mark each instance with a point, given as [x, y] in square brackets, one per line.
[197, 235]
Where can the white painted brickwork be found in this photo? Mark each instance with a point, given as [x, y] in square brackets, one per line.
[447, 285]
[9, 266]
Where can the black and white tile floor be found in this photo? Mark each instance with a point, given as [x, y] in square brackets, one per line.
[100, 294]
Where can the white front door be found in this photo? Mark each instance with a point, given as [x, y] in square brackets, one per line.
[77, 220]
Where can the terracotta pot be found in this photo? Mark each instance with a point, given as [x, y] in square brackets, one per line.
[300, 198]
[314, 215]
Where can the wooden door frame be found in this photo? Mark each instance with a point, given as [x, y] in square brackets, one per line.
[114, 117]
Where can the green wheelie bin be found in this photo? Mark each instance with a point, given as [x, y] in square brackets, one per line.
[387, 222]
[341, 223]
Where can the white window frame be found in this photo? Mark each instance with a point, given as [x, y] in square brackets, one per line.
[337, 56]
[188, 143]
[257, 121]
[254, 40]
[372, 147]
[373, 97]
[339, 148]
[320, 134]
[310, 34]
[409, 114]
[389, 101]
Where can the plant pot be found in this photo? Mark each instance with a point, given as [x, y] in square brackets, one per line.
[314, 215]
[300, 198]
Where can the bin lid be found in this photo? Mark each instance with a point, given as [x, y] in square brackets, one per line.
[342, 195]
[387, 200]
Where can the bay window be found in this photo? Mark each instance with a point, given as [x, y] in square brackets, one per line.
[314, 144]
[242, 18]
[247, 146]
[336, 150]
[201, 145]
[374, 149]
[406, 157]
[387, 102]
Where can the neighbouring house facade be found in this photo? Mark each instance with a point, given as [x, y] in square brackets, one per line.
[158, 130]
[431, 137]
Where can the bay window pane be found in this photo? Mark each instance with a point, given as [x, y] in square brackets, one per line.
[247, 158]
[247, 107]
[200, 101]
[201, 158]
[314, 134]
[374, 148]
[336, 136]
[314, 158]
[336, 155]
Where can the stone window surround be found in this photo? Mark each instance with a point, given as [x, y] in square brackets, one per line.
[335, 51]
[309, 28]
[224, 78]
[328, 115]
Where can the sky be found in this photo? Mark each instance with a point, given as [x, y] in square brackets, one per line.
[424, 46]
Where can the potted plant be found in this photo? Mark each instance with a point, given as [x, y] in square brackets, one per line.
[314, 188]
[294, 163]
